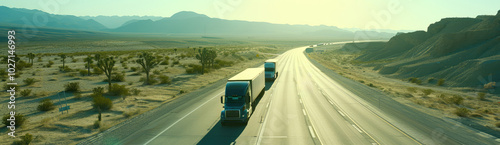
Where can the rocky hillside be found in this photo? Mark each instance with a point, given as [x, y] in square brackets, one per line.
[462, 51]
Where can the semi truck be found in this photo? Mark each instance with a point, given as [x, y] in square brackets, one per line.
[241, 92]
[270, 67]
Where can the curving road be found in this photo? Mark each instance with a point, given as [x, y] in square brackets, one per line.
[303, 106]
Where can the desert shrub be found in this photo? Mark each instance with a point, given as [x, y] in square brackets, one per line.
[371, 85]
[97, 71]
[430, 80]
[415, 80]
[25, 92]
[224, 63]
[97, 92]
[72, 87]
[157, 72]
[164, 62]
[490, 85]
[97, 124]
[128, 114]
[176, 62]
[440, 82]
[18, 122]
[25, 140]
[65, 69]
[83, 72]
[102, 102]
[134, 68]
[412, 89]
[164, 79]
[195, 68]
[118, 77]
[49, 64]
[74, 60]
[456, 99]
[135, 91]
[7, 87]
[462, 112]
[46, 105]
[481, 95]
[182, 92]
[29, 81]
[118, 90]
[497, 124]
[427, 92]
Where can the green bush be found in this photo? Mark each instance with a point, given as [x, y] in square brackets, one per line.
[18, 122]
[72, 87]
[427, 91]
[97, 92]
[182, 92]
[157, 72]
[164, 79]
[97, 124]
[430, 80]
[29, 81]
[65, 69]
[118, 90]
[164, 62]
[135, 91]
[481, 96]
[462, 112]
[25, 92]
[118, 77]
[415, 80]
[102, 102]
[97, 71]
[457, 100]
[440, 82]
[83, 72]
[25, 140]
[46, 105]
[134, 68]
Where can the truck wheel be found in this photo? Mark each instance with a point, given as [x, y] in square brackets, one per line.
[276, 75]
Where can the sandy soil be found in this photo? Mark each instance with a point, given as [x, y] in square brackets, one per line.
[54, 127]
[484, 112]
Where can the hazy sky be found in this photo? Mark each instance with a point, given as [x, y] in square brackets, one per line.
[380, 14]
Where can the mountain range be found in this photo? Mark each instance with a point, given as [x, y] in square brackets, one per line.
[463, 51]
[181, 23]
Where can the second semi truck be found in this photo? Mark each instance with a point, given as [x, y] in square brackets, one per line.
[241, 92]
[271, 71]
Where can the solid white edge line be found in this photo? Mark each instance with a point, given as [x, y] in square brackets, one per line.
[181, 119]
[312, 132]
[341, 113]
[304, 111]
[357, 128]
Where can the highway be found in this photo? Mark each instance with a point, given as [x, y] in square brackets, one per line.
[303, 106]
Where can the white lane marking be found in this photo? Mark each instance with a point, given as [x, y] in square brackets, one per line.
[300, 100]
[330, 102]
[312, 132]
[263, 126]
[357, 128]
[267, 105]
[275, 136]
[181, 119]
[341, 113]
[304, 111]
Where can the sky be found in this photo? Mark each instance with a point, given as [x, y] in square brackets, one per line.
[364, 14]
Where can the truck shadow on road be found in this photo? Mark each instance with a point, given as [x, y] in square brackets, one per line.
[222, 134]
[269, 85]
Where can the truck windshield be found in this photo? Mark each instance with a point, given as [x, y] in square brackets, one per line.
[234, 100]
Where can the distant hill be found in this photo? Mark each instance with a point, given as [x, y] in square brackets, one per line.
[460, 50]
[26, 17]
[112, 22]
[192, 23]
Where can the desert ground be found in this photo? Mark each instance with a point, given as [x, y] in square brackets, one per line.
[175, 76]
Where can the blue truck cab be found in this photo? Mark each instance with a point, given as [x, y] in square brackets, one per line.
[271, 72]
[236, 102]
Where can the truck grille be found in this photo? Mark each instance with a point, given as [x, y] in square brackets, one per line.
[232, 113]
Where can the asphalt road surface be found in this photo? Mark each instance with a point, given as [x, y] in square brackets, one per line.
[303, 106]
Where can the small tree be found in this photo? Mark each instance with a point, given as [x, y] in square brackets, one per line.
[63, 60]
[89, 61]
[107, 65]
[203, 57]
[31, 56]
[175, 51]
[147, 61]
